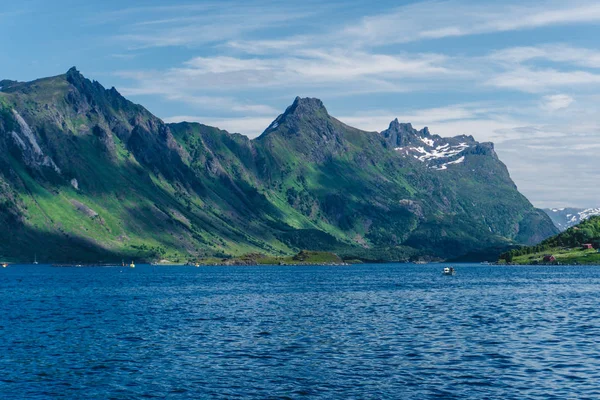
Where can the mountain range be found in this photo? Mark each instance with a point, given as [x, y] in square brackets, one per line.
[564, 218]
[87, 175]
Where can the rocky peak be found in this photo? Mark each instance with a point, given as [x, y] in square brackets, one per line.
[396, 126]
[307, 106]
[303, 110]
[401, 134]
[75, 78]
[73, 71]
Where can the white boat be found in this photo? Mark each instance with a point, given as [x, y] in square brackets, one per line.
[449, 271]
[35, 260]
[132, 265]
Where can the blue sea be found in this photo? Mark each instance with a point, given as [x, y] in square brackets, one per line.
[390, 331]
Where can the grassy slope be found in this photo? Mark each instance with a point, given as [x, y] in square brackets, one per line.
[566, 247]
[139, 214]
[563, 256]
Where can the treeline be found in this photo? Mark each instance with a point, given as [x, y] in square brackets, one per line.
[586, 232]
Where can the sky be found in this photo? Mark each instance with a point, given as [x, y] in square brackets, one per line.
[524, 75]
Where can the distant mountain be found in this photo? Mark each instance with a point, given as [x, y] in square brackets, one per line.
[565, 218]
[87, 175]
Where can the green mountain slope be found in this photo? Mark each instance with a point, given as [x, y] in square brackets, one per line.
[87, 175]
[568, 247]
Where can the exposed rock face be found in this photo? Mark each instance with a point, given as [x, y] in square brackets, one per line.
[84, 209]
[403, 134]
[26, 141]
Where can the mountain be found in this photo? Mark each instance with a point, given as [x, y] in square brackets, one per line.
[565, 218]
[87, 175]
[579, 244]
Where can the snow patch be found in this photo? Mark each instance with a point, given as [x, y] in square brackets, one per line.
[462, 159]
[428, 142]
[590, 212]
[445, 165]
[443, 152]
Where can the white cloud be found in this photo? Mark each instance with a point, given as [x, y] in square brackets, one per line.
[197, 24]
[537, 79]
[556, 102]
[201, 81]
[560, 53]
[459, 18]
[269, 46]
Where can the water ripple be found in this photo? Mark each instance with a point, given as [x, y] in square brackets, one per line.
[368, 332]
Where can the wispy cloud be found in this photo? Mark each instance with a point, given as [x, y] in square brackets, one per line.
[198, 24]
[556, 102]
[560, 53]
[459, 18]
[337, 70]
[214, 103]
[541, 79]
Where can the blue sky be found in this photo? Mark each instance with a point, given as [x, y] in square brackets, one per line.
[525, 75]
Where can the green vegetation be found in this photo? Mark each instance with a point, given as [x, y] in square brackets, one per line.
[87, 176]
[304, 257]
[564, 248]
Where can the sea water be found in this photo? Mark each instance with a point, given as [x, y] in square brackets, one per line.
[364, 331]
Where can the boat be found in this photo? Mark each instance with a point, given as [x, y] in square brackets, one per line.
[4, 265]
[449, 271]
[35, 260]
[197, 265]
[132, 265]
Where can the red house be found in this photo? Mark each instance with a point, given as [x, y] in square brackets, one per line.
[588, 246]
[549, 258]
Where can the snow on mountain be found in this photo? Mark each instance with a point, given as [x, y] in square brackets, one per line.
[445, 165]
[436, 152]
[423, 154]
[564, 218]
